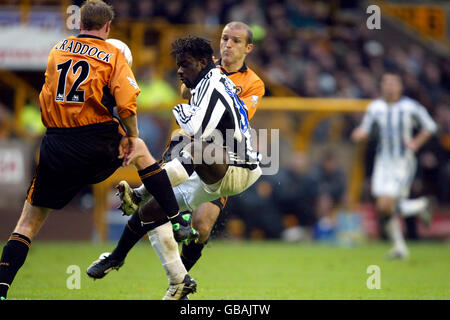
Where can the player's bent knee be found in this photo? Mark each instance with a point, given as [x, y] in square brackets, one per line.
[142, 157]
[385, 206]
[141, 148]
[176, 172]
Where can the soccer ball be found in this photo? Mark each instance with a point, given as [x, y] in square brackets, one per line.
[122, 47]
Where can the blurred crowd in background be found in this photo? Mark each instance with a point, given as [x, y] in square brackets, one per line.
[315, 50]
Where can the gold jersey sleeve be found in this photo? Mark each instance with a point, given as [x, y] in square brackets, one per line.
[250, 89]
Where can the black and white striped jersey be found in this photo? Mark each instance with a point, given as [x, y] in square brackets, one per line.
[396, 122]
[216, 113]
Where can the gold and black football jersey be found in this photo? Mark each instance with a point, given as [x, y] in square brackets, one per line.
[80, 72]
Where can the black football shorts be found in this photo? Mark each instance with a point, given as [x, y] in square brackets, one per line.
[71, 158]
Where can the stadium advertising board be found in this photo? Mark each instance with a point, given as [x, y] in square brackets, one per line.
[19, 49]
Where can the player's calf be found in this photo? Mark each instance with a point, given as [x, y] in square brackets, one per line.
[204, 218]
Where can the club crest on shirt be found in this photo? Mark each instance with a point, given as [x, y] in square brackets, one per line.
[255, 99]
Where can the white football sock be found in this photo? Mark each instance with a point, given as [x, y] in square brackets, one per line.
[412, 207]
[395, 233]
[176, 172]
[166, 248]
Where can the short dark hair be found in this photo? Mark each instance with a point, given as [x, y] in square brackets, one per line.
[95, 14]
[197, 47]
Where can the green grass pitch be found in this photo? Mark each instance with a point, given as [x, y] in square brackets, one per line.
[242, 270]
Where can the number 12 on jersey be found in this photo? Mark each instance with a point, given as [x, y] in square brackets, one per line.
[74, 94]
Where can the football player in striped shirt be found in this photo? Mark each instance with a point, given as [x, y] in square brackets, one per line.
[208, 215]
[395, 162]
[235, 44]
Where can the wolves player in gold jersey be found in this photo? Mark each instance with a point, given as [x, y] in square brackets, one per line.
[84, 143]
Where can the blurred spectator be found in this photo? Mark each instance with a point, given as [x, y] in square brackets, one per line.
[196, 15]
[331, 178]
[257, 209]
[31, 120]
[296, 196]
[155, 90]
[434, 159]
[279, 206]
[213, 13]
[249, 11]
[6, 122]
[175, 12]
[153, 132]
[121, 10]
[144, 9]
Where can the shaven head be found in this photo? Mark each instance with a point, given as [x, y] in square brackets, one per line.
[236, 43]
[241, 26]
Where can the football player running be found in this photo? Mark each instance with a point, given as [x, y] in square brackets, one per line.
[395, 161]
